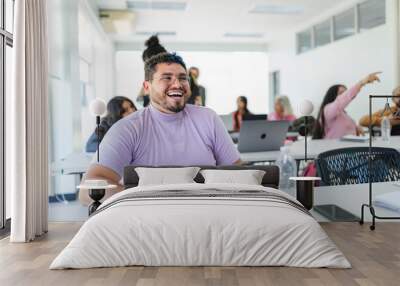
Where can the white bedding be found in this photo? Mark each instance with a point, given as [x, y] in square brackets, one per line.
[183, 231]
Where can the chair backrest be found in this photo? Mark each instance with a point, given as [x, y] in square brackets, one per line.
[350, 165]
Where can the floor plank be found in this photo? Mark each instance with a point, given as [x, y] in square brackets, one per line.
[374, 255]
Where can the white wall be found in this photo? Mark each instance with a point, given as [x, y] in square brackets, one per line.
[96, 51]
[225, 75]
[346, 61]
[74, 36]
[129, 74]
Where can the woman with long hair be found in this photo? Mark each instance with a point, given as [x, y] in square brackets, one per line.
[240, 112]
[117, 108]
[194, 89]
[333, 122]
[283, 109]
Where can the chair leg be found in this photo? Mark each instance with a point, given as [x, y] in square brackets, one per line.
[372, 210]
[362, 214]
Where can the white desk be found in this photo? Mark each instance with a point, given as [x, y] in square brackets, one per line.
[315, 147]
[72, 164]
[351, 197]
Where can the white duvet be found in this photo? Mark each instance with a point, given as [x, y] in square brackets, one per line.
[201, 231]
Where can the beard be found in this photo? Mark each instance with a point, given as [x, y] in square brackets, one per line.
[177, 108]
[174, 107]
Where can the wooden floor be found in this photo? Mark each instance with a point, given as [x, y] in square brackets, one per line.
[375, 257]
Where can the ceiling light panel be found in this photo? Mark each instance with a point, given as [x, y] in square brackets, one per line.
[243, 35]
[277, 9]
[156, 5]
[159, 33]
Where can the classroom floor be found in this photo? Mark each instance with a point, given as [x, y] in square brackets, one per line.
[72, 211]
[374, 255]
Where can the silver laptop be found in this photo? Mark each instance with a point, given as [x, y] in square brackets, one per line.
[258, 135]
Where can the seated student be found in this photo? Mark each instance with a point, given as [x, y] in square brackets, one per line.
[333, 122]
[240, 112]
[393, 114]
[117, 108]
[283, 109]
[167, 132]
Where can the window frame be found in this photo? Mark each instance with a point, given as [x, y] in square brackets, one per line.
[337, 37]
[311, 32]
[6, 39]
[356, 27]
[316, 27]
[359, 16]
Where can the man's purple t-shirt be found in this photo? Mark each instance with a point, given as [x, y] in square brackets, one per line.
[148, 137]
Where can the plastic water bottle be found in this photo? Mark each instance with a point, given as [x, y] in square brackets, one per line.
[385, 128]
[287, 168]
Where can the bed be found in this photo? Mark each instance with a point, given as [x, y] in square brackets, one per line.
[198, 224]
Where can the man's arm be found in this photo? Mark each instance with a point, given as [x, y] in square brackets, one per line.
[103, 173]
[376, 119]
[378, 116]
[225, 151]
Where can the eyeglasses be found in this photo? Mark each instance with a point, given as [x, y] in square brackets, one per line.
[170, 79]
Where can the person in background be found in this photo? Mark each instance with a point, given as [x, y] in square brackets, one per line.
[283, 109]
[198, 101]
[153, 48]
[240, 112]
[118, 107]
[194, 73]
[392, 112]
[333, 122]
[194, 89]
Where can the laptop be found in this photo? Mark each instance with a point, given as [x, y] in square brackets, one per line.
[255, 117]
[258, 136]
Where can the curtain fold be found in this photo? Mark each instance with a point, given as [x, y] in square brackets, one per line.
[29, 153]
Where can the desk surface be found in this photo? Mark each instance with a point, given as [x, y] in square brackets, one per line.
[315, 147]
[351, 197]
[74, 163]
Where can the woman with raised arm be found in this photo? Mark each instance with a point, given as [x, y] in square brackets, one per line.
[333, 122]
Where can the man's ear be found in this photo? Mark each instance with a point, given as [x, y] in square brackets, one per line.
[146, 87]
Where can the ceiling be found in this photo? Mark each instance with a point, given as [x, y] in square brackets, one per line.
[207, 21]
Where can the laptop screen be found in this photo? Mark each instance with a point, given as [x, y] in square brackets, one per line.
[255, 117]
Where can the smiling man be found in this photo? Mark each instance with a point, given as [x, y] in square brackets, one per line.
[168, 131]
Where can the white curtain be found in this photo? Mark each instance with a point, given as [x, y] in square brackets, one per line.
[29, 122]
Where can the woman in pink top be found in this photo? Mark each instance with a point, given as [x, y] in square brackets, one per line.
[283, 110]
[333, 122]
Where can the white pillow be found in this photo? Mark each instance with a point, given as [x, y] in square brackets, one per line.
[166, 176]
[248, 177]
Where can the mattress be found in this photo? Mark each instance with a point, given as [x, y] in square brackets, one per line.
[201, 225]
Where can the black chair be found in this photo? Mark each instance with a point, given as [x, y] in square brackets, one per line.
[350, 166]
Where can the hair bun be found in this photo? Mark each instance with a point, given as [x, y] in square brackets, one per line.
[152, 41]
[153, 48]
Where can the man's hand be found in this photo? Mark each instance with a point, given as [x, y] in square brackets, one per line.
[360, 131]
[370, 78]
[103, 173]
